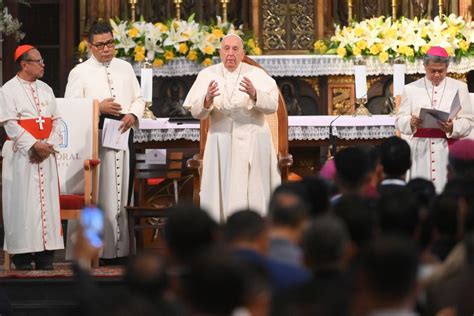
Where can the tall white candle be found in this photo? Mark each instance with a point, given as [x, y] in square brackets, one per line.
[360, 72]
[147, 84]
[398, 78]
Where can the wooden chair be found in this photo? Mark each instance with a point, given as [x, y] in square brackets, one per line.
[278, 123]
[72, 204]
[144, 214]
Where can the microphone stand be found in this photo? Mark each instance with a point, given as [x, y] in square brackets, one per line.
[332, 138]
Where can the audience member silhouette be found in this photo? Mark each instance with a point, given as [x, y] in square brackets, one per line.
[288, 214]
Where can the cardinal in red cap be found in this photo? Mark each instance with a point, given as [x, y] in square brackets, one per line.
[430, 135]
[20, 50]
[30, 115]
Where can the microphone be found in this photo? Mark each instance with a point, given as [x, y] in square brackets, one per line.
[332, 138]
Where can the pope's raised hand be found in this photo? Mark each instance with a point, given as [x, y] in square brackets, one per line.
[212, 92]
[248, 87]
[109, 106]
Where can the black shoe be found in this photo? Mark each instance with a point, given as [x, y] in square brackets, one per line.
[46, 267]
[24, 267]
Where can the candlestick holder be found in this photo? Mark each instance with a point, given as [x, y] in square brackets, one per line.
[148, 114]
[177, 4]
[224, 10]
[133, 8]
[361, 108]
[349, 12]
[394, 9]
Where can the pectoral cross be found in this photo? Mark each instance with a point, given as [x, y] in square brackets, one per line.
[40, 122]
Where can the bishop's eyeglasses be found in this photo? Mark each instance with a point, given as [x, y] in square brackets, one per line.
[101, 46]
[36, 61]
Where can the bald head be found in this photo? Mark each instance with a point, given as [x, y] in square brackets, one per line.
[232, 51]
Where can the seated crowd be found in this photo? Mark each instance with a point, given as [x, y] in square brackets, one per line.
[358, 240]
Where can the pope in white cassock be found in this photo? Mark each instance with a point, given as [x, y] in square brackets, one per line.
[239, 165]
[430, 146]
[30, 185]
[113, 82]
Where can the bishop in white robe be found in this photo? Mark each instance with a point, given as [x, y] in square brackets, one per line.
[240, 167]
[30, 186]
[430, 147]
[112, 81]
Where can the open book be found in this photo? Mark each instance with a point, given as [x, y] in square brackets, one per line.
[431, 117]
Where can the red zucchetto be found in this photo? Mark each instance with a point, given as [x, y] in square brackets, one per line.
[20, 50]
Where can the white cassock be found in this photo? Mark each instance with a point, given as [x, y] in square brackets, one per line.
[92, 79]
[240, 168]
[430, 155]
[30, 191]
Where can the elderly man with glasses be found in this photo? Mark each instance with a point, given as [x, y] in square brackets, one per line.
[430, 144]
[113, 82]
[30, 178]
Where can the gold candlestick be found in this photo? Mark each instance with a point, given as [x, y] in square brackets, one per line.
[177, 4]
[349, 13]
[361, 108]
[440, 7]
[224, 10]
[394, 9]
[133, 5]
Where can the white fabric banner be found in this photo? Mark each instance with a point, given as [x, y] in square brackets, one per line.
[76, 128]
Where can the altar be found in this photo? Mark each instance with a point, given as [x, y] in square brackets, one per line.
[316, 129]
[309, 136]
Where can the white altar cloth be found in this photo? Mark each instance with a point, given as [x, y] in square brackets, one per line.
[299, 128]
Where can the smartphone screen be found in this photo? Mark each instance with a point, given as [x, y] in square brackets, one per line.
[92, 220]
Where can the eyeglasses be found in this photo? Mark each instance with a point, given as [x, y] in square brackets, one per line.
[36, 61]
[101, 46]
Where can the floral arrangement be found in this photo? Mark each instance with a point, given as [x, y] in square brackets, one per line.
[405, 38]
[9, 25]
[162, 42]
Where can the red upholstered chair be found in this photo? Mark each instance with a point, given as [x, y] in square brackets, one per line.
[278, 123]
[72, 204]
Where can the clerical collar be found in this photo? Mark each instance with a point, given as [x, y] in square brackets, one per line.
[100, 63]
[236, 72]
[430, 85]
[23, 81]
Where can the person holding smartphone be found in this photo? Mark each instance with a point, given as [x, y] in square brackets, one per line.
[30, 177]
